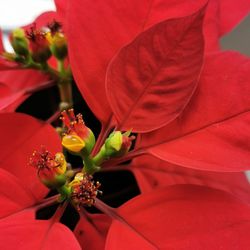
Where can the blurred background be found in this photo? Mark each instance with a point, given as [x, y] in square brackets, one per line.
[15, 13]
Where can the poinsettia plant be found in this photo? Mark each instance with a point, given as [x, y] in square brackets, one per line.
[152, 154]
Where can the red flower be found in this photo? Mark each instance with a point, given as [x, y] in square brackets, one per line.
[39, 45]
[84, 190]
[75, 124]
[78, 136]
[50, 168]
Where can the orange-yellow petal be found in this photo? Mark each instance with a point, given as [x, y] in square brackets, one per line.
[73, 143]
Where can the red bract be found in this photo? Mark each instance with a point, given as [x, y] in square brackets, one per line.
[20, 135]
[20, 84]
[91, 230]
[118, 24]
[20, 189]
[98, 30]
[28, 234]
[181, 217]
[212, 133]
[226, 8]
[163, 62]
[152, 173]
[8, 97]
[15, 196]
[219, 19]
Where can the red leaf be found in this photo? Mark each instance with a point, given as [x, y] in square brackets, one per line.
[23, 79]
[240, 9]
[8, 97]
[97, 30]
[20, 135]
[20, 84]
[61, 10]
[91, 231]
[43, 20]
[151, 173]
[28, 234]
[212, 133]
[180, 217]
[151, 80]
[219, 19]
[14, 196]
[7, 65]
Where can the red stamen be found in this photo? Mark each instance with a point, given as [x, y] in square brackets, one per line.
[33, 34]
[74, 124]
[85, 191]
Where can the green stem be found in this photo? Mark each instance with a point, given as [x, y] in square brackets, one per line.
[30, 64]
[100, 157]
[60, 67]
[65, 91]
[47, 69]
[64, 191]
[89, 165]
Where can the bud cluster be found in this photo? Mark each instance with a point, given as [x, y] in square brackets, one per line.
[78, 139]
[39, 45]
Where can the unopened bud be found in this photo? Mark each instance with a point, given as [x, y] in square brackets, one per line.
[118, 144]
[59, 46]
[73, 143]
[77, 134]
[51, 168]
[19, 42]
[38, 44]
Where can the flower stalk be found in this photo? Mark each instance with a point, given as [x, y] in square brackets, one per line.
[34, 47]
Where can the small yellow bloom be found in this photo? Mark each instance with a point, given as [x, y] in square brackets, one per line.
[75, 126]
[77, 179]
[115, 142]
[73, 143]
[48, 37]
[59, 157]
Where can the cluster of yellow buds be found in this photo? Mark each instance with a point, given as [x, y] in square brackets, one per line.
[79, 140]
[39, 44]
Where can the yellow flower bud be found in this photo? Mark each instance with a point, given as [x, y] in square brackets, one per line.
[118, 144]
[114, 142]
[75, 126]
[19, 42]
[73, 143]
[59, 157]
[58, 45]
